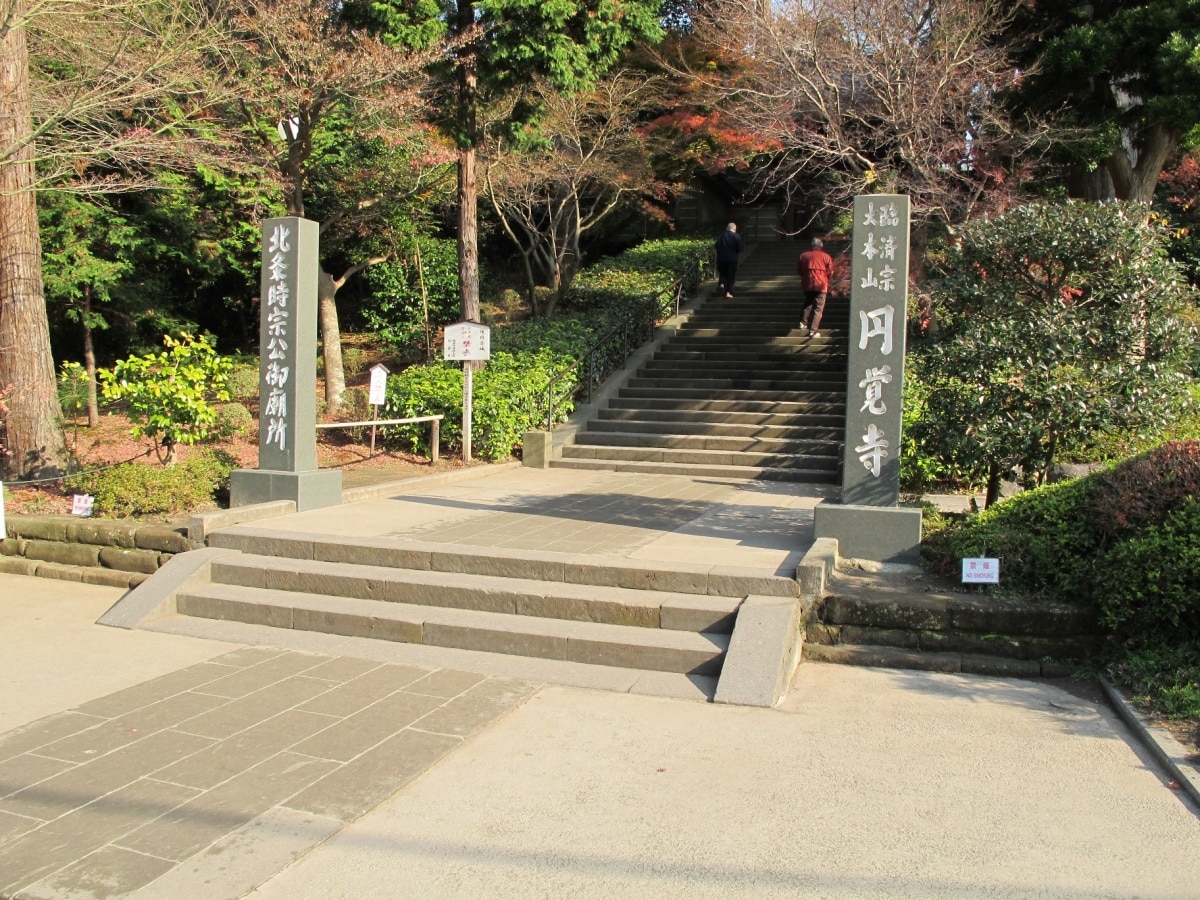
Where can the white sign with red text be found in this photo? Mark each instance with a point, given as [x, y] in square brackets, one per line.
[981, 571]
[468, 340]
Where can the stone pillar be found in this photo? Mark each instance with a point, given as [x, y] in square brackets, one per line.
[287, 415]
[868, 523]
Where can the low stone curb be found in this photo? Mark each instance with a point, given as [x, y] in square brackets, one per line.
[1168, 752]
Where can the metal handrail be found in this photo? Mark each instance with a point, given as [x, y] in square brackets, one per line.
[638, 316]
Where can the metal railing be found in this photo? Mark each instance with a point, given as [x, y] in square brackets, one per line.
[601, 358]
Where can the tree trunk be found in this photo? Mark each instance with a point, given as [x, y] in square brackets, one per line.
[34, 435]
[331, 341]
[468, 194]
[1093, 185]
[89, 359]
[1135, 179]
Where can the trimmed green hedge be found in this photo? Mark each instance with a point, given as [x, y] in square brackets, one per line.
[506, 397]
[132, 489]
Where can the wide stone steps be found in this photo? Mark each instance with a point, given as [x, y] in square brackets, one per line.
[667, 440]
[624, 646]
[812, 475]
[792, 383]
[739, 391]
[673, 426]
[733, 395]
[515, 596]
[564, 609]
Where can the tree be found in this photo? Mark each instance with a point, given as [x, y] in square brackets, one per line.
[1124, 80]
[499, 45]
[86, 251]
[1056, 321]
[865, 96]
[88, 106]
[311, 87]
[553, 184]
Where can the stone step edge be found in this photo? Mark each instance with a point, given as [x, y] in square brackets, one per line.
[671, 685]
[696, 470]
[507, 594]
[877, 656]
[655, 453]
[584, 642]
[468, 559]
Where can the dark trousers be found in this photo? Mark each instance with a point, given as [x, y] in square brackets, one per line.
[726, 275]
[815, 301]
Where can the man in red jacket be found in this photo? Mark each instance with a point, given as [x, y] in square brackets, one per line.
[815, 269]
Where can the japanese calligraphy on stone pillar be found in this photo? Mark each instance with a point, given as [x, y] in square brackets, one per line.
[276, 372]
[287, 345]
[878, 295]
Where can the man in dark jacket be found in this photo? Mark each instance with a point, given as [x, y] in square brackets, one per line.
[729, 246]
[815, 269]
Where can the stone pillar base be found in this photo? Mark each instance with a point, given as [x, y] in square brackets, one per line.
[537, 449]
[308, 490]
[881, 533]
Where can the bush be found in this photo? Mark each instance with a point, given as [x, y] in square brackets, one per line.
[647, 270]
[243, 382]
[131, 490]
[1056, 322]
[396, 312]
[233, 419]
[169, 394]
[507, 397]
[1143, 491]
[1044, 540]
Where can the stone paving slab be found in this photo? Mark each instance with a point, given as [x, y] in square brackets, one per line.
[257, 749]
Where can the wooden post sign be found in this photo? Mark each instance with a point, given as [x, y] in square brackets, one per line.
[377, 396]
[467, 341]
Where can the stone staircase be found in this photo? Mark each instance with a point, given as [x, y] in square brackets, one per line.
[738, 392]
[558, 607]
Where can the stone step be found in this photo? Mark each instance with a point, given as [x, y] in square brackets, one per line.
[673, 441]
[543, 566]
[607, 421]
[733, 395]
[584, 642]
[829, 412]
[704, 458]
[788, 383]
[747, 366]
[809, 476]
[489, 593]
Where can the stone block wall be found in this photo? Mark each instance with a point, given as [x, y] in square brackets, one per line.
[94, 551]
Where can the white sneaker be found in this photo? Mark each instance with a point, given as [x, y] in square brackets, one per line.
[814, 334]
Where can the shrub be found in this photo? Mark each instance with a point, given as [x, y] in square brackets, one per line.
[243, 382]
[169, 394]
[1044, 541]
[1144, 490]
[233, 419]
[1056, 322]
[1151, 579]
[507, 397]
[131, 490]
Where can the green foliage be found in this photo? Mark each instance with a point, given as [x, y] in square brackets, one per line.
[243, 382]
[570, 335]
[1165, 676]
[647, 270]
[72, 389]
[1044, 542]
[131, 490]
[506, 399]
[169, 394]
[1056, 322]
[233, 420]
[397, 311]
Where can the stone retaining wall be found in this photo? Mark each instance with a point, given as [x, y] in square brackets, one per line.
[94, 551]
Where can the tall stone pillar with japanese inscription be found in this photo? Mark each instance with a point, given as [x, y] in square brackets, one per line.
[869, 523]
[287, 414]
